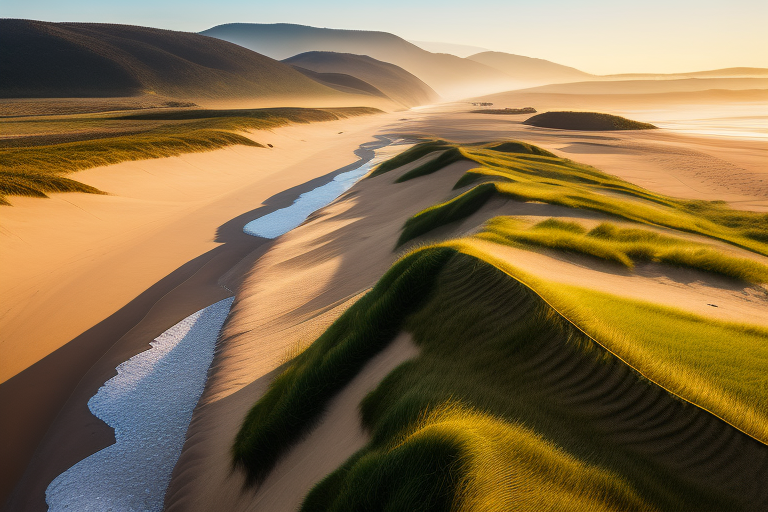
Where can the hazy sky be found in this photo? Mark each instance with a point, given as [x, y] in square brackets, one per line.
[598, 36]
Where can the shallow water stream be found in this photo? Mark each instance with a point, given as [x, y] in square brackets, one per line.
[151, 400]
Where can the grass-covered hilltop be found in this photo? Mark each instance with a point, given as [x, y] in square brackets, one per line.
[588, 121]
[528, 392]
[40, 153]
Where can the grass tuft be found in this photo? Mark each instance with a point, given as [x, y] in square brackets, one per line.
[457, 208]
[625, 246]
[411, 155]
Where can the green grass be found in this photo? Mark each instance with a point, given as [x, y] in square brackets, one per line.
[553, 180]
[526, 394]
[297, 397]
[457, 208]
[410, 155]
[448, 157]
[719, 366]
[585, 121]
[37, 170]
[624, 246]
[472, 423]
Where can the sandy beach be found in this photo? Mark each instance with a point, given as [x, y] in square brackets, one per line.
[122, 268]
[309, 276]
[109, 273]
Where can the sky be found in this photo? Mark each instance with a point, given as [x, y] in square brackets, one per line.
[597, 36]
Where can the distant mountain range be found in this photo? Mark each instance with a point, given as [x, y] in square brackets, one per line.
[459, 50]
[40, 59]
[450, 76]
[321, 66]
[527, 70]
[392, 81]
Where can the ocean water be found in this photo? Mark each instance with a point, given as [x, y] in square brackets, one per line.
[738, 120]
[149, 403]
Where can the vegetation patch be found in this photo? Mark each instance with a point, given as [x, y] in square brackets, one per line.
[587, 121]
[40, 169]
[542, 178]
[624, 246]
[458, 208]
[448, 157]
[296, 399]
[410, 155]
[490, 415]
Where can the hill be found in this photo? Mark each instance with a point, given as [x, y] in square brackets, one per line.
[714, 73]
[395, 82]
[652, 86]
[450, 76]
[55, 60]
[527, 70]
[591, 121]
[341, 82]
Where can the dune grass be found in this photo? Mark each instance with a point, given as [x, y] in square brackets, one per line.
[457, 208]
[553, 180]
[472, 424]
[38, 170]
[590, 121]
[410, 155]
[298, 396]
[624, 246]
[448, 157]
[719, 366]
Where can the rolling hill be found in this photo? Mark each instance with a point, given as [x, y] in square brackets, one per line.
[527, 70]
[56, 60]
[450, 76]
[393, 81]
[713, 73]
[652, 86]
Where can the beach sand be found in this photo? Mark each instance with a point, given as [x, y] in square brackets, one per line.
[166, 249]
[294, 290]
[88, 280]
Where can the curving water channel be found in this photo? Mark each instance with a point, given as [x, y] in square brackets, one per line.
[150, 402]
[285, 219]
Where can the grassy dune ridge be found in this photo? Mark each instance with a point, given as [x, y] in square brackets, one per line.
[38, 170]
[716, 365]
[527, 394]
[549, 179]
[624, 246]
[298, 396]
[478, 422]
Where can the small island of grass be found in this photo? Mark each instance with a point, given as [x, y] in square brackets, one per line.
[590, 121]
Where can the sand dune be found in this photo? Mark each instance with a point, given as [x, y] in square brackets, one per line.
[290, 290]
[341, 250]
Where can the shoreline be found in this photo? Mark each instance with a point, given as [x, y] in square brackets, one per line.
[49, 398]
